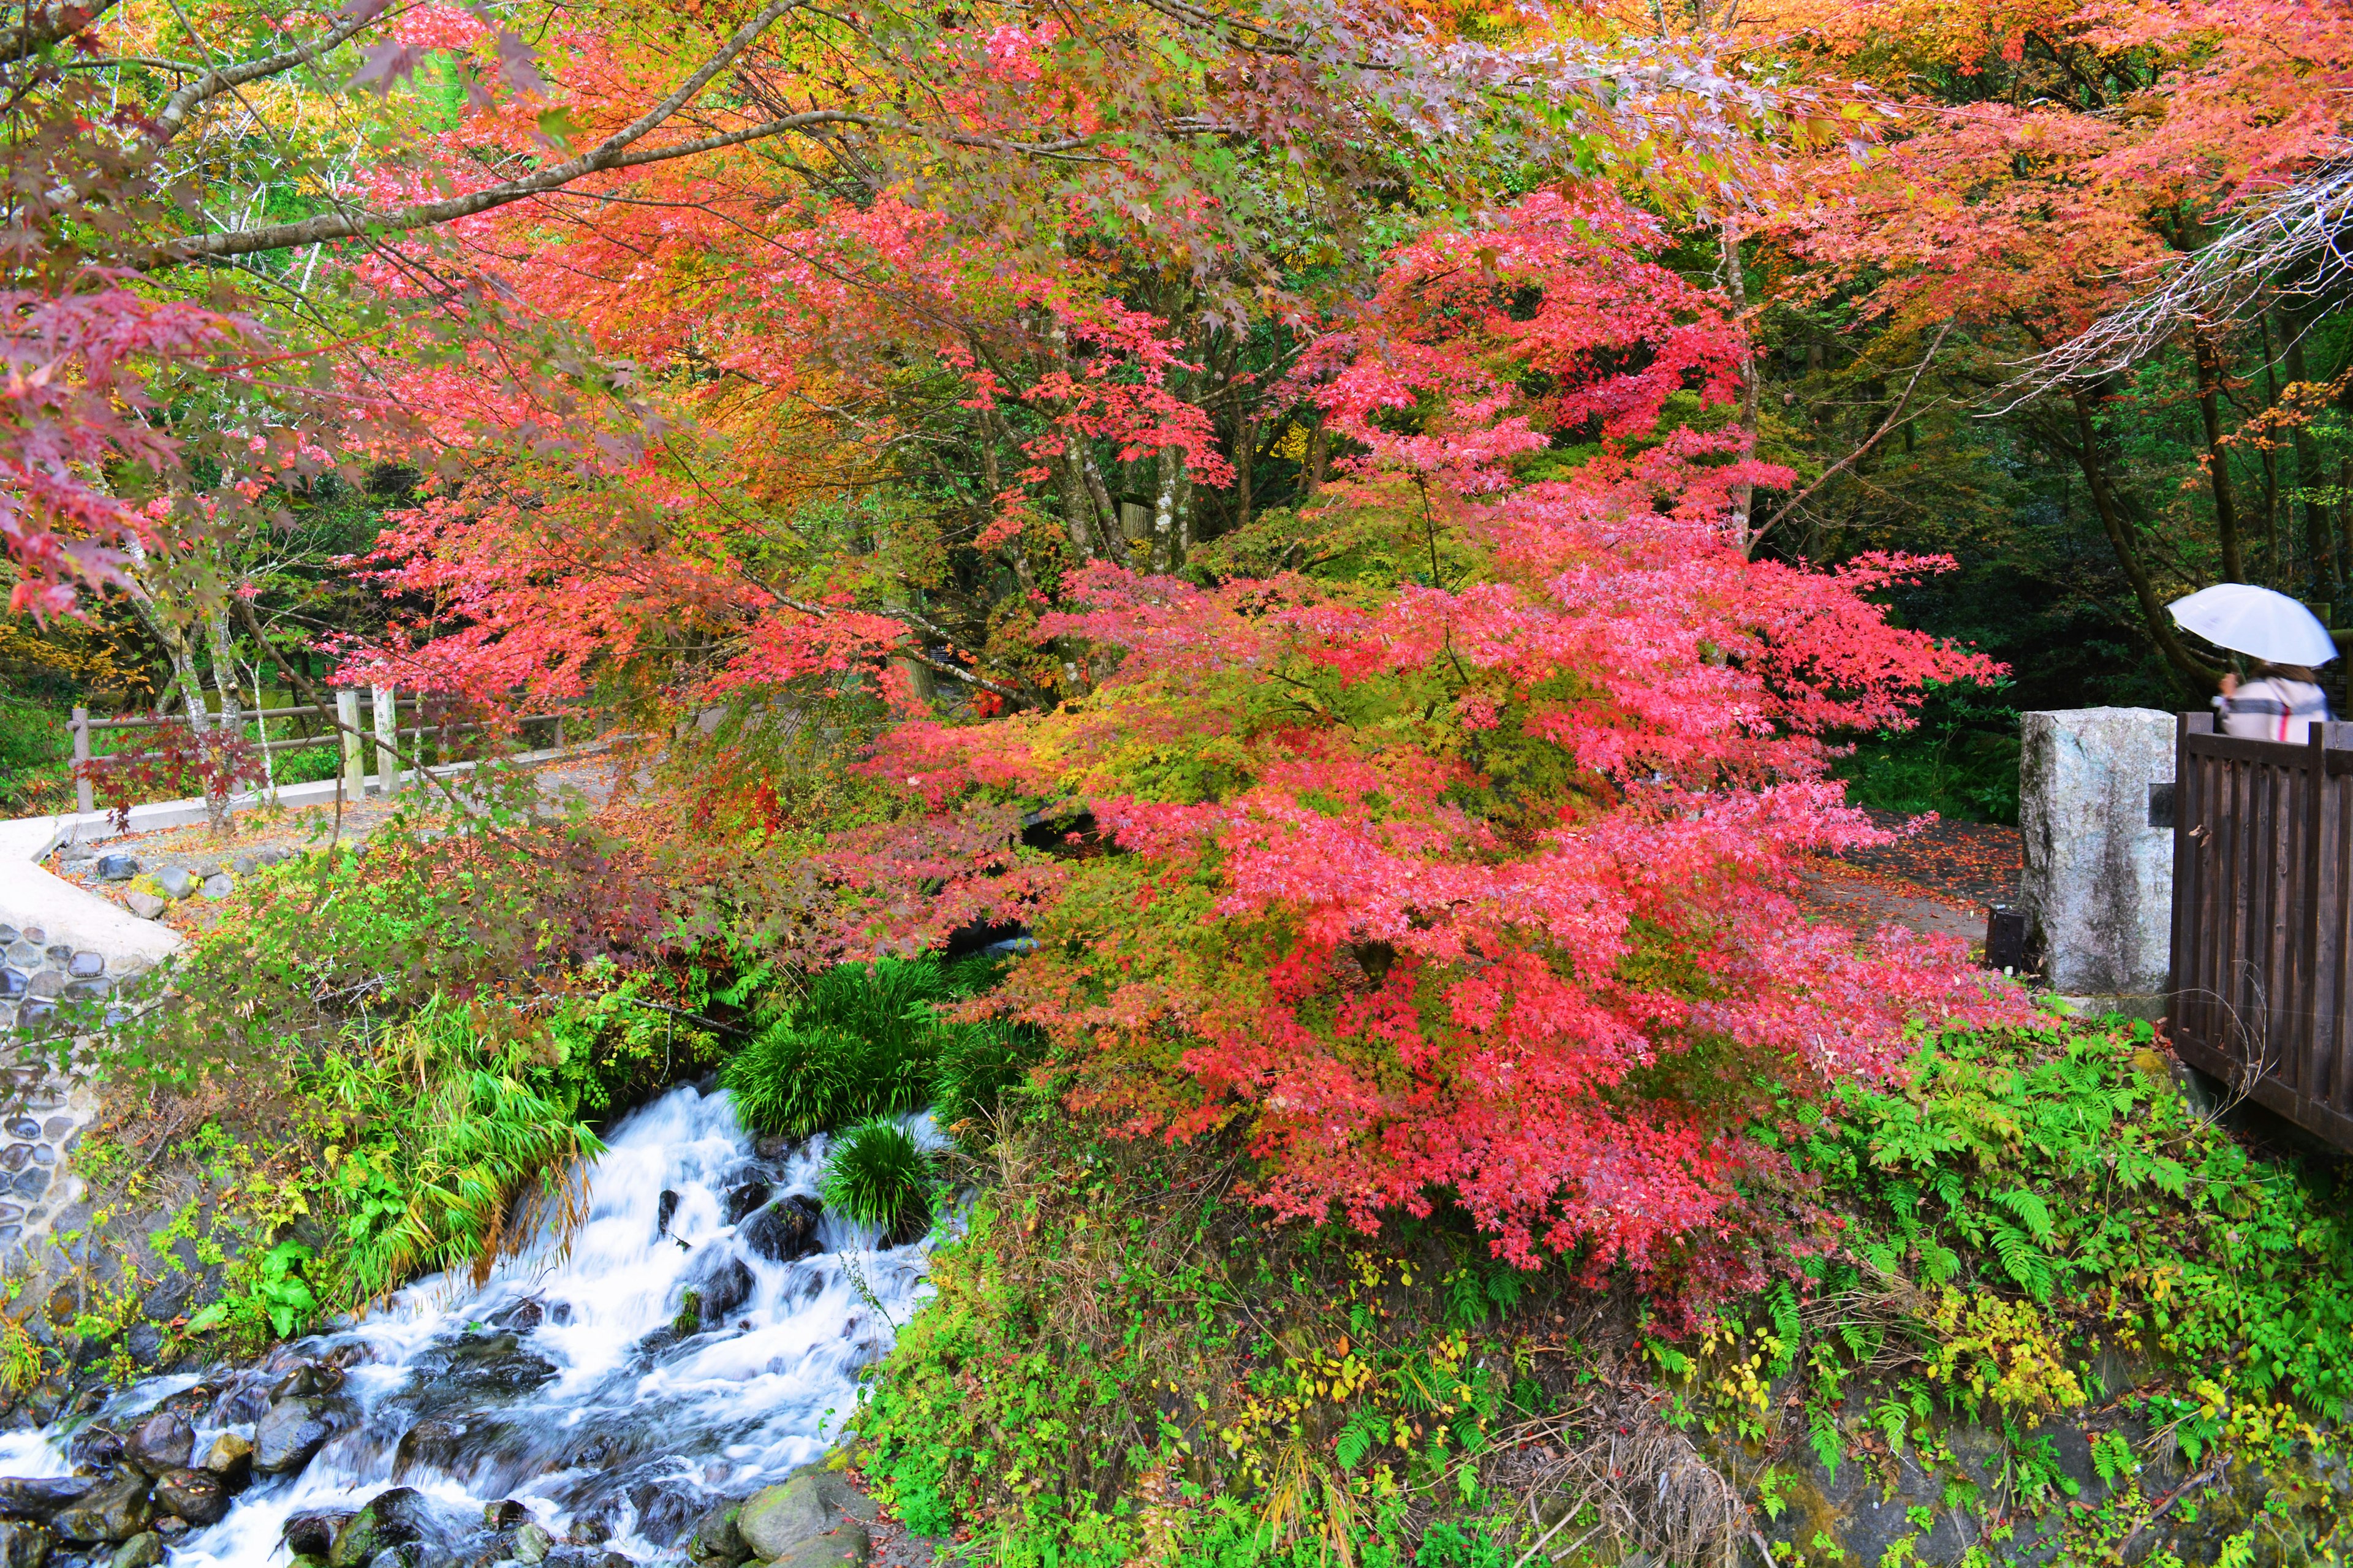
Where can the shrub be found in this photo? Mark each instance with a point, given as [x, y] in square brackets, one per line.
[875, 1176]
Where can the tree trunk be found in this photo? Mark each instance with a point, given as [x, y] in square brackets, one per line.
[1164, 511]
[1075, 505]
[2218, 459]
[1736, 289]
[1106, 509]
[1244, 449]
[2320, 553]
[2118, 528]
[231, 724]
[1184, 514]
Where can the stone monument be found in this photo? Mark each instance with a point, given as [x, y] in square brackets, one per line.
[2095, 813]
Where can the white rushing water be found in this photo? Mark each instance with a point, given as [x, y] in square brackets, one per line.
[563, 1382]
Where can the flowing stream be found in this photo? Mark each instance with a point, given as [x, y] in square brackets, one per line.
[581, 1380]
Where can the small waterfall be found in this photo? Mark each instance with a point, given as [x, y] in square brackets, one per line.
[698, 1335]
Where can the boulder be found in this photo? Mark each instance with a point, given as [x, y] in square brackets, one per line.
[429, 1445]
[402, 1518]
[146, 906]
[507, 1513]
[783, 1231]
[775, 1520]
[116, 1511]
[311, 1531]
[231, 1459]
[532, 1544]
[665, 1210]
[845, 1545]
[199, 1497]
[716, 1542]
[176, 882]
[290, 1433]
[745, 1199]
[117, 868]
[305, 1378]
[219, 885]
[162, 1442]
[96, 1447]
[40, 1498]
[25, 1544]
[144, 1550]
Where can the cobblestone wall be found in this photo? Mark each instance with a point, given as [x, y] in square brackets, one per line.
[42, 1112]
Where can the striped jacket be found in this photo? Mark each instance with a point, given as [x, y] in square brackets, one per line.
[2272, 709]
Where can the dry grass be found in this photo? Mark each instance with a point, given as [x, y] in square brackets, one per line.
[1612, 1479]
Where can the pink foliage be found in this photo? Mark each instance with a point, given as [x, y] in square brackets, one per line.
[1565, 1020]
[76, 402]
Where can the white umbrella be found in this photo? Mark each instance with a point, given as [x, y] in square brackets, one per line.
[2251, 620]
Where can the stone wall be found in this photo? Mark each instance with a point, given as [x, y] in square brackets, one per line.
[67, 958]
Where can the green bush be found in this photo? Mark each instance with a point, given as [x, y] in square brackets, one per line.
[875, 1174]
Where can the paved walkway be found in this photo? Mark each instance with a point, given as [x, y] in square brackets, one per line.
[1938, 880]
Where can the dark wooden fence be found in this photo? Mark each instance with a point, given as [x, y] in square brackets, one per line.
[2262, 919]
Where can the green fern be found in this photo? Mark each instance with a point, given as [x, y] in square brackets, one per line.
[1365, 1430]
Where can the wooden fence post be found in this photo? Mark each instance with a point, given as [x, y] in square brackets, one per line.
[84, 797]
[387, 740]
[347, 717]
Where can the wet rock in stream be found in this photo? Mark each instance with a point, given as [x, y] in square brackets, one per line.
[421, 1532]
[477, 1369]
[716, 1288]
[291, 1432]
[25, 1544]
[115, 1511]
[144, 1550]
[311, 1531]
[745, 1199]
[230, 1456]
[40, 1500]
[199, 1497]
[784, 1231]
[160, 1443]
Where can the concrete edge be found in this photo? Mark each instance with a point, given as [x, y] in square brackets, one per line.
[31, 896]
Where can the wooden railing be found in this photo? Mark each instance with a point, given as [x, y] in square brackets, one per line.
[2262, 919]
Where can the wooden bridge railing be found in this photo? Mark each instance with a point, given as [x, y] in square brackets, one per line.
[2262, 919]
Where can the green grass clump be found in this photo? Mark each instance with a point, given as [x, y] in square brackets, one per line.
[868, 1041]
[876, 1175]
[800, 1079]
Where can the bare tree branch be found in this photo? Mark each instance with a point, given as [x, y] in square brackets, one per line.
[1894, 416]
[2296, 243]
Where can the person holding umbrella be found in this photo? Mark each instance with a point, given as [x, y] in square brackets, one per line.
[2287, 642]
